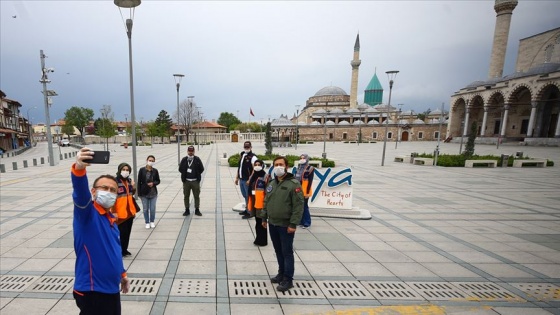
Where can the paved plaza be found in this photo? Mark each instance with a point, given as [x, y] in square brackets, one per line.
[441, 240]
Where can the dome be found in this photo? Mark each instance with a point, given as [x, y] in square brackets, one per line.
[435, 112]
[330, 123]
[336, 111]
[358, 122]
[352, 111]
[330, 90]
[373, 122]
[544, 68]
[371, 110]
[315, 123]
[283, 121]
[407, 113]
[418, 122]
[344, 122]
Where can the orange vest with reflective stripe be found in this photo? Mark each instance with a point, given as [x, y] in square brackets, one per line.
[305, 184]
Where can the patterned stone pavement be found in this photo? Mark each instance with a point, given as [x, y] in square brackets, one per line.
[441, 240]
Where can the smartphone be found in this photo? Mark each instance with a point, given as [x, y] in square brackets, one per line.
[99, 157]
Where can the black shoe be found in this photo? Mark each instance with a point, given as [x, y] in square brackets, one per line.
[244, 212]
[127, 253]
[187, 212]
[285, 285]
[247, 216]
[197, 212]
[277, 279]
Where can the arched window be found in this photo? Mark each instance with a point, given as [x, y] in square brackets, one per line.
[374, 135]
[421, 135]
[390, 135]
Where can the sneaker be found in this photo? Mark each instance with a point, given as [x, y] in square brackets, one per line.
[126, 253]
[305, 227]
[285, 285]
[277, 279]
[147, 225]
[247, 216]
[197, 212]
[187, 212]
[152, 225]
[245, 212]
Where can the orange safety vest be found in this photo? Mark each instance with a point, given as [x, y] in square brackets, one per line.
[260, 192]
[124, 207]
[305, 184]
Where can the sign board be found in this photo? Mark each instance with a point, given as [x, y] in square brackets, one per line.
[332, 188]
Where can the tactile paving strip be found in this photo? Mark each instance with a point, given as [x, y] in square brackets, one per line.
[303, 290]
[486, 291]
[343, 290]
[437, 291]
[193, 287]
[10, 283]
[540, 291]
[251, 288]
[144, 286]
[391, 290]
[52, 284]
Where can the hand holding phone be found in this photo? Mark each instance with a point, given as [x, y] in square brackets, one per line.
[100, 157]
[86, 156]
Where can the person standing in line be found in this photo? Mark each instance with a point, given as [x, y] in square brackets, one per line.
[99, 270]
[148, 179]
[125, 207]
[244, 169]
[283, 208]
[257, 186]
[304, 175]
[191, 169]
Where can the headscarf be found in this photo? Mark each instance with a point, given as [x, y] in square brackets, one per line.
[301, 166]
[119, 169]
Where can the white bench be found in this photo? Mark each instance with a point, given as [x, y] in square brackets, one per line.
[317, 164]
[423, 161]
[520, 163]
[402, 158]
[488, 163]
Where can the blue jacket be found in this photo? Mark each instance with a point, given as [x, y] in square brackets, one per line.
[99, 265]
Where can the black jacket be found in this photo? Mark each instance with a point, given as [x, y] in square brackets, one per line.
[196, 167]
[143, 188]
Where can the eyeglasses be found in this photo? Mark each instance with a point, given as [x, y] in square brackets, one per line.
[106, 188]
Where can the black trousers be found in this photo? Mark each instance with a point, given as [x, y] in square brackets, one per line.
[125, 228]
[96, 303]
[261, 238]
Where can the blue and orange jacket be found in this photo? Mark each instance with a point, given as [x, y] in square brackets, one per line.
[99, 265]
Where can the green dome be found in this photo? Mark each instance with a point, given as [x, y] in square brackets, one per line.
[374, 84]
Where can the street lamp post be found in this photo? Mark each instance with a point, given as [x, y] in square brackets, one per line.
[361, 108]
[47, 100]
[131, 5]
[398, 126]
[297, 125]
[391, 75]
[325, 134]
[30, 126]
[178, 78]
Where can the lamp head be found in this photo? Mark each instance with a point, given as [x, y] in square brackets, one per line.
[127, 4]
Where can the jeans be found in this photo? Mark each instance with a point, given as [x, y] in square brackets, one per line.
[149, 205]
[244, 190]
[306, 217]
[283, 243]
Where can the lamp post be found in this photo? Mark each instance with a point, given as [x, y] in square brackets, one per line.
[439, 135]
[131, 5]
[178, 78]
[361, 108]
[398, 126]
[29, 125]
[391, 75]
[297, 125]
[325, 134]
[47, 100]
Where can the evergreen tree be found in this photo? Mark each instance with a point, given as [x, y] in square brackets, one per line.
[469, 147]
[163, 123]
[268, 139]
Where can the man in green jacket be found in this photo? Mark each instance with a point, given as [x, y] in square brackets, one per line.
[283, 208]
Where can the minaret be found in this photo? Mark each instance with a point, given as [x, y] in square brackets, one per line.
[504, 10]
[355, 65]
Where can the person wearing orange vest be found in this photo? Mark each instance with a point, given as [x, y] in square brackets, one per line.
[304, 175]
[125, 207]
[257, 185]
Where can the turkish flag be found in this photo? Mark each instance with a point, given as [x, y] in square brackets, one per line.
[251, 112]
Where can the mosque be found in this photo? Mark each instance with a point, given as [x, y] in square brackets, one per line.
[522, 106]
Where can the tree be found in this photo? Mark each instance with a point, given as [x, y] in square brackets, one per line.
[68, 129]
[422, 116]
[105, 126]
[245, 127]
[228, 120]
[469, 147]
[152, 131]
[268, 139]
[78, 117]
[163, 123]
[188, 115]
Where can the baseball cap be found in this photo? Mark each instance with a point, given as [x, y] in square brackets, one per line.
[190, 148]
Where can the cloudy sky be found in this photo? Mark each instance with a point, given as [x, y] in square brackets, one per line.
[236, 55]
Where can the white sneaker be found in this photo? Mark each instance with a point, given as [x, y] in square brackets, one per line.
[147, 225]
[152, 225]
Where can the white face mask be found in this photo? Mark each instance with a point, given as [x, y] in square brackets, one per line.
[105, 199]
[258, 168]
[125, 174]
[279, 171]
[150, 163]
[302, 161]
[247, 151]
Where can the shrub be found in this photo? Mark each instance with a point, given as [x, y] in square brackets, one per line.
[233, 160]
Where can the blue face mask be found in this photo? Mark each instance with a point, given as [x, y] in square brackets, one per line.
[106, 199]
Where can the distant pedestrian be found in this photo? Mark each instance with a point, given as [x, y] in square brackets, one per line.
[99, 268]
[257, 188]
[125, 207]
[191, 169]
[148, 179]
[283, 208]
[244, 169]
[304, 175]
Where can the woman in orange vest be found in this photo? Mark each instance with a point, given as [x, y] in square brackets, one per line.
[125, 207]
[304, 175]
[257, 189]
